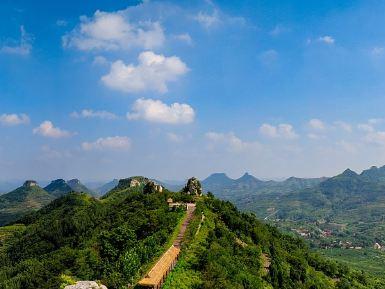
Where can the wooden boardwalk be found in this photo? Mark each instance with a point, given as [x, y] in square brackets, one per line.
[158, 273]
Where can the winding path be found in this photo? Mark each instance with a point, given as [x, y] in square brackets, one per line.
[158, 273]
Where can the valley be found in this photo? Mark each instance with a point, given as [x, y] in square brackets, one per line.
[341, 216]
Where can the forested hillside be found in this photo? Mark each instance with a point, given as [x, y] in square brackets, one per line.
[21, 201]
[117, 238]
[344, 216]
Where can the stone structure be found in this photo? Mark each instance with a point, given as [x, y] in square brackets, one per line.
[157, 275]
[193, 187]
[86, 285]
[30, 183]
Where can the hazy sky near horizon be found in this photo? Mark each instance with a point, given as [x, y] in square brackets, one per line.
[170, 89]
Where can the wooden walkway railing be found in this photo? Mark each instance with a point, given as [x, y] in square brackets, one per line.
[158, 273]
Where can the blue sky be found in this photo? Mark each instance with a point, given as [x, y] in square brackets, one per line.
[170, 89]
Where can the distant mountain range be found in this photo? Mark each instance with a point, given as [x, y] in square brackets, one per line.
[350, 203]
[30, 197]
[249, 186]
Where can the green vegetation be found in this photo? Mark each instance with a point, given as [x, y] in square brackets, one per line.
[115, 240]
[342, 212]
[22, 201]
[368, 260]
[84, 238]
[229, 251]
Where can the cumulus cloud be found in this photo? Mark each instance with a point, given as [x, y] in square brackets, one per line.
[89, 113]
[282, 130]
[21, 47]
[114, 143]
[156, 111]
[316, 124]
[152, 73]
[230, 140]
[47, 129]
[326, 39]
[14, 119]
[113, 31]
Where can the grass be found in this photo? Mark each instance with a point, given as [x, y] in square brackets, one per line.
[369, 260]
[184, 276]
[167, 245]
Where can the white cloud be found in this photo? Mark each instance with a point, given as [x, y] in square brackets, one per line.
[47, 129]
[231, 141]
[14, 119]
[375, 120]
[282, 130]
[115, 143]
[326, 39]
[22, 47]
[376, 137]
[365, 127]
[208, 20]
[156, 111]
[113, 31]
[152, 73]
[89, 113]
[343, 125]
[316, 124]
[185, 37]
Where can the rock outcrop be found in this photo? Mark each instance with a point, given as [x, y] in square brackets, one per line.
[131, 182]
[86, 285]
[30, 183]
[152, 187]
[193, 187]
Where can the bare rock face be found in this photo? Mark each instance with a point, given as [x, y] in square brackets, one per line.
[86, 285]
[193, 187]
[131, 182]
[152, 187]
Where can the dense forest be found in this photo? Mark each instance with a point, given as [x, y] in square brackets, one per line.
[115, 240]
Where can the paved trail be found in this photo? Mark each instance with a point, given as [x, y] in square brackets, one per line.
[158, 273]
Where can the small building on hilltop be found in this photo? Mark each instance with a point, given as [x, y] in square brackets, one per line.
[30, 183]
